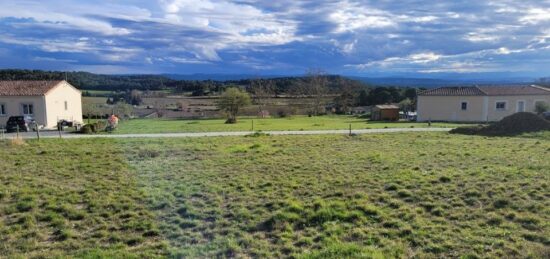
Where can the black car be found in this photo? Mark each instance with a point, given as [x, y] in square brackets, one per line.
[25, 123]
[546, 115]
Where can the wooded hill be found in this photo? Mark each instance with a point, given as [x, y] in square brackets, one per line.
[90, 81]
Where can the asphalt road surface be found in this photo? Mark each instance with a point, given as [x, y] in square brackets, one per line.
[67, 135]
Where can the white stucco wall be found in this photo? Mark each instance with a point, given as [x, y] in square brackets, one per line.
[512, 105]
[480, 108]
[448, 108]
[14, 107]
[55, 104]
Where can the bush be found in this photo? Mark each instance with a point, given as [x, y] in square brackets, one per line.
[93, 127]
[87, 129]
[541, 107]
[100, 126]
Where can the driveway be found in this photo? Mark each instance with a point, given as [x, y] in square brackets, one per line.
[55, 134]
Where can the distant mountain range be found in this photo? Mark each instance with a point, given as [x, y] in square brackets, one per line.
[431, 82]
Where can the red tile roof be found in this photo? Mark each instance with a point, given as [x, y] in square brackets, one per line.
[26, 88]
[486, 91]
[514, 90]
[453, 91]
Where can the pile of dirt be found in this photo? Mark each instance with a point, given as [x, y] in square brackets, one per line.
[515, 124]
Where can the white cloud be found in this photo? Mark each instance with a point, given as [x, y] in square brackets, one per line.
[350, 17]
[480, 37]
[503, 50]
[536, 15]
[424, 57]
[50, 17]
[346, 48]
[238, 25]
[186, 60]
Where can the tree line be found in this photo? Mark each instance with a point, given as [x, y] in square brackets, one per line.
[316, 85]
[90, 81]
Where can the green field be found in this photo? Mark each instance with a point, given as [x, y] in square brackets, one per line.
[245, 124]
[326, 196]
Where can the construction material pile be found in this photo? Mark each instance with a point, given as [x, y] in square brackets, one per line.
[515, 124]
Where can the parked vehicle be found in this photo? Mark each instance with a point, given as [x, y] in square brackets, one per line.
[24, 123]
[546, 115]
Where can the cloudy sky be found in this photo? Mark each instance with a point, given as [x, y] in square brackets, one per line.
[277, 36]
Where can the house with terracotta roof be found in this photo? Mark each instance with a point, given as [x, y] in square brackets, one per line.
[478, 103]
[48, 102]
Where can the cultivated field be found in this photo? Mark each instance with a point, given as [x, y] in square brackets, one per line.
[245, 124]
[386, 195]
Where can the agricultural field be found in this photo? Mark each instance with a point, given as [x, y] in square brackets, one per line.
[325, 196]
[245, 124]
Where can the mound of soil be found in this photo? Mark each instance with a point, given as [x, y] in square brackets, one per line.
[515, 124]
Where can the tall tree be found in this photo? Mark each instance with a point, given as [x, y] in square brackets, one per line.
[363, 98]
[231, 101]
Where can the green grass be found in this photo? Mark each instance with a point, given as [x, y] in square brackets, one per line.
[245, 124]
[72, 198]
[325, 196]
[372, 196]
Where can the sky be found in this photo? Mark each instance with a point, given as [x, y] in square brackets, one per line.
[282, 37]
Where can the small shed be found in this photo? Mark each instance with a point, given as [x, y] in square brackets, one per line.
[385, 112]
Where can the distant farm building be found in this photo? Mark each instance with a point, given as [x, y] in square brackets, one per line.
[479, 103]
[385, 112]
[48, 102]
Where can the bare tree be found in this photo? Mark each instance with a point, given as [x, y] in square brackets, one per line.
[262, 91]
[159, 107]
[314, 90]
[123, 110]
[347, 97]
[91, 109]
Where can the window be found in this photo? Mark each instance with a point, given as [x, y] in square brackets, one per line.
[28, 109]
[66, 106]
[500, 105]
[521, 106]
[2, 109]
[464, 106]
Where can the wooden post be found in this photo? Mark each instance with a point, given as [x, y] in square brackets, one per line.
[252, 124]
[59, 128]
[37, 132]
[350, 129]
[17, 128]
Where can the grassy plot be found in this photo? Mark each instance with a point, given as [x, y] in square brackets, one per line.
[72, 198]
[245, 124]
[390, 195]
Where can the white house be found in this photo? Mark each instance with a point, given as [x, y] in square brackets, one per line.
[478, 103]
[46, 101]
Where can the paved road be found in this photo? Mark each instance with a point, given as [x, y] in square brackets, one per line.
[55, 134]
